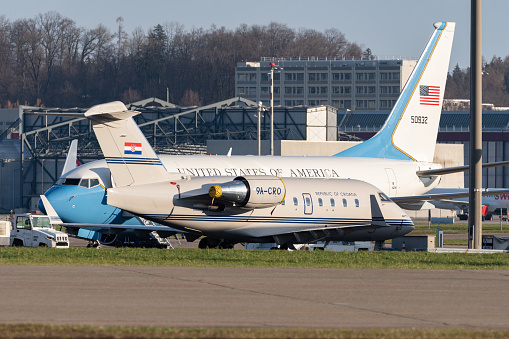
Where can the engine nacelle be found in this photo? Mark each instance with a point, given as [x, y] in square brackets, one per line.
[251, 191]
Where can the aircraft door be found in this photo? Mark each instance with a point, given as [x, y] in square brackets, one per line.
[393, 184]
[308, 203]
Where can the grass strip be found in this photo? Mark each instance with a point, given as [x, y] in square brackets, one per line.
[246, 258]
[77, 331]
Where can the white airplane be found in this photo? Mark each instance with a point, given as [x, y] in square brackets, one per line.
[397, 160]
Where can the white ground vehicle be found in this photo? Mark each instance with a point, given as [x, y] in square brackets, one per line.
[34, 230]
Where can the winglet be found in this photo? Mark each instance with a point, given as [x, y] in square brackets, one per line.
[377, 218]
[50, 211]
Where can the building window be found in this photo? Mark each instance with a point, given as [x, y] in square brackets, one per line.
[365, 76]
[341, 89]
[346, 104]
[365, 104]
[342, 76]
[388, 76]
[294, 76]
[389, 89]
[386, 104]
[318, 76]
[290, 90]
[246, 77]
[365, 89]
[265, 77]
[317, 90]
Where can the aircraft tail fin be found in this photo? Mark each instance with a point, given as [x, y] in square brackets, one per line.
[129, 156]
[71, 159]
[410, 131]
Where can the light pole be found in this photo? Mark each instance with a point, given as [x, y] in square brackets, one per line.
[273, 68]
[260, 109]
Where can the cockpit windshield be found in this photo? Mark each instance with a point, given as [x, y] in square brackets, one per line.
[87, 183]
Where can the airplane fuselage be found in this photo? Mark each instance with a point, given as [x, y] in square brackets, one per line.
[300, 210]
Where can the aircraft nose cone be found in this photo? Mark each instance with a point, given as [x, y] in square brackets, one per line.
[40, 205]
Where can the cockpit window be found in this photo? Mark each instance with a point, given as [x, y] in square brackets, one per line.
[94, 182]
[383, 197]
[84, 183]
[87, 183]
[71, 181]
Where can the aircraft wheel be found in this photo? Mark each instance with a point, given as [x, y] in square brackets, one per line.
[203, 243]
[227, 245]
[207, 242]
[17, 243]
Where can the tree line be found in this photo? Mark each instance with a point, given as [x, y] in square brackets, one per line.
[495, 82]
[49, 61]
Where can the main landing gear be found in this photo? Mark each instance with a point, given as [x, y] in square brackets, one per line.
[208, 242]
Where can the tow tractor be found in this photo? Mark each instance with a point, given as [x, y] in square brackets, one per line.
[35, 230]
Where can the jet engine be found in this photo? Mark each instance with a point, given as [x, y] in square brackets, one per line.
[251, 191]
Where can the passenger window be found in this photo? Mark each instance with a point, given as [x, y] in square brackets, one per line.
[356, 202]
[295, 201]
[308, 202]
[345, 203]
[283, 202]
[332, 202]
[320, 202]
[84, 183]
[94, 182]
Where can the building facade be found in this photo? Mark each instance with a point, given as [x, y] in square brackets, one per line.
[343, 84]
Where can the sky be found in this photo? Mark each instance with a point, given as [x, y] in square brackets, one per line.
[391, 28]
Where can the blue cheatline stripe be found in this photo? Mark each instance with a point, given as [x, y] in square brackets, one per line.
[381, 145]
[133, 161]
[275, 220]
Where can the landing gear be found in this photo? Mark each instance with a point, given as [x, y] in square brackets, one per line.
[379, 245]
[94, 244]
[208, 242]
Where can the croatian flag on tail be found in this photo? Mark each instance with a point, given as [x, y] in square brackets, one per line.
[429, 95]
[132, 148]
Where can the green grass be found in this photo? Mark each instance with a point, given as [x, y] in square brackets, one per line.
[245, 258]
[75, 331]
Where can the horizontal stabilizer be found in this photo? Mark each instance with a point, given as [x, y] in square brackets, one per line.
[458, 169]
[129, 156]
[452, 195]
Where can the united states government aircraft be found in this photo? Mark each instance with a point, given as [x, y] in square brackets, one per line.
[397, 161]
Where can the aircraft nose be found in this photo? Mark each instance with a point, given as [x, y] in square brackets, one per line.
[50, 195]
[40, 205]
